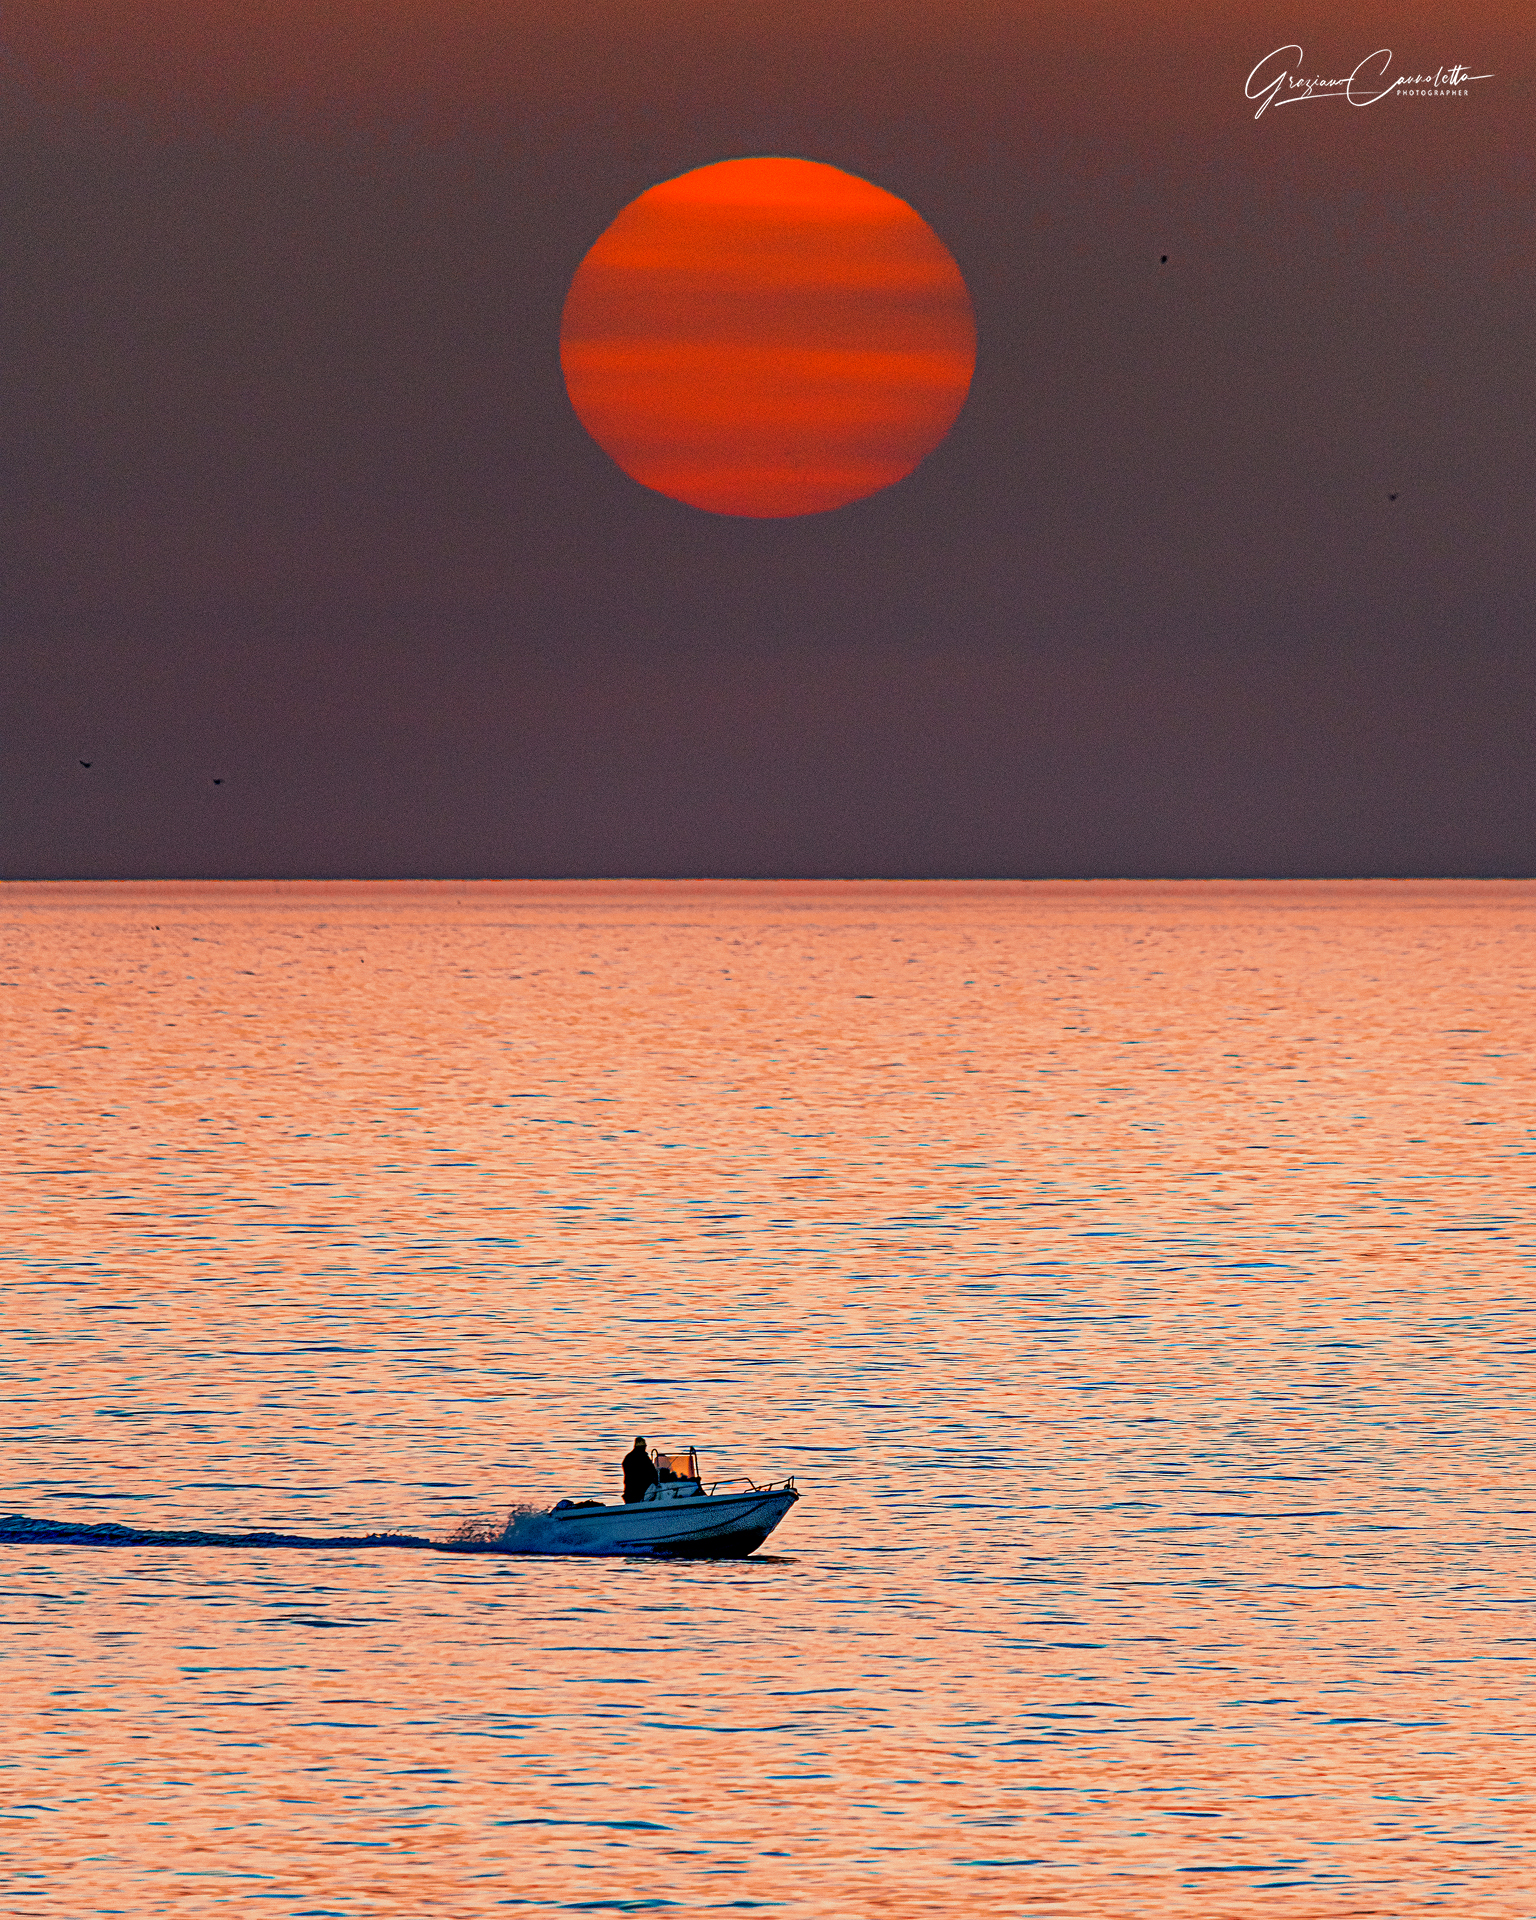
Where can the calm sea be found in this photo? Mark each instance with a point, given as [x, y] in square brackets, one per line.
[1136, 1278]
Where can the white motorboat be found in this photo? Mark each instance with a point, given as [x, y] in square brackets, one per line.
[677, 1516]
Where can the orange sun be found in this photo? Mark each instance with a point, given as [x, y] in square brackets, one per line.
[767, 338]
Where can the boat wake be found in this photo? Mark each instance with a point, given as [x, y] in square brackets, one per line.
[523, 1530]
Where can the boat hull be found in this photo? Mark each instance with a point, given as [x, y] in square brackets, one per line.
[717, 1546]
[705, 1527]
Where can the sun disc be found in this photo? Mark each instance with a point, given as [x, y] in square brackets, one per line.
[767, 338]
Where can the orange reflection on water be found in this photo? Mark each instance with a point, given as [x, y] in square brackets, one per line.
[1136, 1278]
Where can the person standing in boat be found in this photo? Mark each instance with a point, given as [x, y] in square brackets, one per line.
[639, 1472]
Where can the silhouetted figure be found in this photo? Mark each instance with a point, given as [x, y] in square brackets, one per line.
[639, 1473]
[218, 783]
[1164, 261]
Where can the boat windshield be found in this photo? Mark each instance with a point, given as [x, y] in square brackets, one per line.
[682, 1466]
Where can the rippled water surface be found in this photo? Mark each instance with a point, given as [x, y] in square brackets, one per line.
[1137, 1279]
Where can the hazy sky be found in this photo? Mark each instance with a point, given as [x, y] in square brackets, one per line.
[294, 499]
